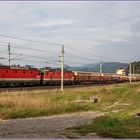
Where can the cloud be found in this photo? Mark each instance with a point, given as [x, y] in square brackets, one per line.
[104, 25]
[49, 23]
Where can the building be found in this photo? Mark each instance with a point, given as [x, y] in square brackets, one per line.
[121, 71]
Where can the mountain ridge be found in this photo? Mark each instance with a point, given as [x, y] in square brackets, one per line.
[108, 67]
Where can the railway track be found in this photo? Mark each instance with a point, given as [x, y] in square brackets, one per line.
[14, 89]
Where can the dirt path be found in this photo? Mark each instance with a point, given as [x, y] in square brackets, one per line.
[45, 127]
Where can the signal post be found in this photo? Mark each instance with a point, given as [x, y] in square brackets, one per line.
[62, 68]
[130, 75]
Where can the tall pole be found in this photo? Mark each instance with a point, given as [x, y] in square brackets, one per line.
[62, 67]
[9, 53]
[130, 76]
[101, 68]
[133, 70]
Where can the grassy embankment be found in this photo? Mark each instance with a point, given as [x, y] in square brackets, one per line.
[120, 102]
[121, 120]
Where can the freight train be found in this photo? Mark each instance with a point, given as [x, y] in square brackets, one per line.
[26, 76]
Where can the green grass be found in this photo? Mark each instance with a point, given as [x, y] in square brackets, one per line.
[123, 124]
[119, 101]
[112, 127]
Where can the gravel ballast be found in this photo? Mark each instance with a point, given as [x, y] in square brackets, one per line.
[45, 127]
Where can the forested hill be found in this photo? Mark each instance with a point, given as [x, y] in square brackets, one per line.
[135, 67]
[108, 67]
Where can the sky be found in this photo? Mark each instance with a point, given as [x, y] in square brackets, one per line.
[91, 32]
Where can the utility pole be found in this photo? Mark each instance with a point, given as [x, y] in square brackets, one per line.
[101, 68]
[9, 53]
[62, 68]
[133, 70]
[130, 76]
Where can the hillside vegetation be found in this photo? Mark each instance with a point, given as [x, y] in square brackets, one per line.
[135, 67]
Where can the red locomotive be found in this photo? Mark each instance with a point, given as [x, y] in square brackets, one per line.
[53, 76]
[19, 76]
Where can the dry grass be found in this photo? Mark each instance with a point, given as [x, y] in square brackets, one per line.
[45, 102]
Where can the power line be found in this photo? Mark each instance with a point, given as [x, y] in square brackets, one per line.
[30, 61]
[91, 54]
[34, 56]
[42, 42]
[3, 52]
[29, 55]
[73, 62]
[47, 58]
[86, 53]
[37, 49]
[85, 58]
[24, 47]
[21, 54]
[25, 60]
[51, 58]
[44, 52]
[1, 58]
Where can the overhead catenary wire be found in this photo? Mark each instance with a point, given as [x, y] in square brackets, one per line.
[74, 62]
[17, 46]
[3, 52]
[43, 42]
[91, 54]
[20, 59]
[47, 58]
[30, 40]
[55, 60]
[25, 60]
[37, 57]
[21, 54]
[80, 51]
[51, 58]
[28, 54]
[46, 51]
[85, 58]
